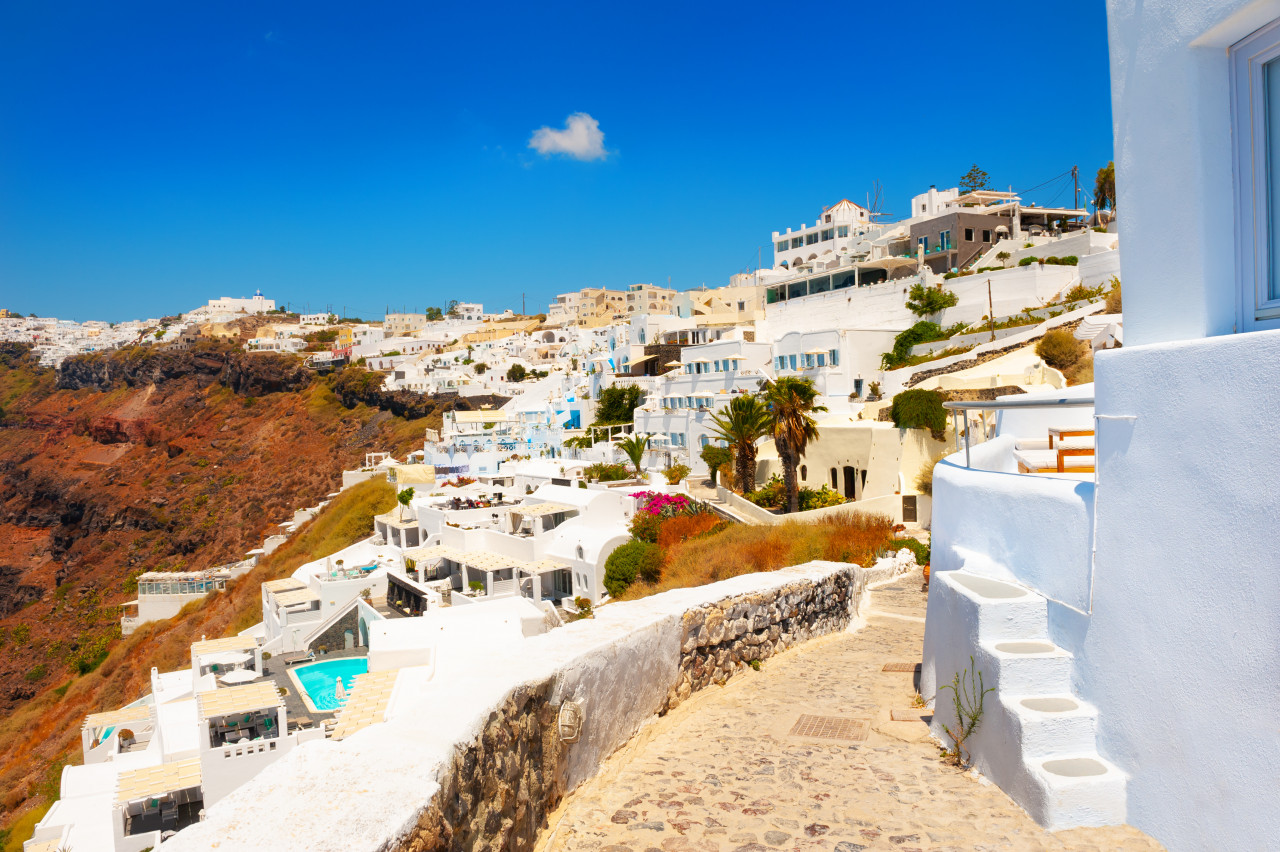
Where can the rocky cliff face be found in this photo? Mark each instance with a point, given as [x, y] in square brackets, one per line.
[150, 459]
[246, 373]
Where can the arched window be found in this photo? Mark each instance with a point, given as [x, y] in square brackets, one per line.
[835, 478]
[804, 472]
[580, 552]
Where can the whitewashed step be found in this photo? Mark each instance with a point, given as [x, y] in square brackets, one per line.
[998, 609]
[1025, 667]
[1077, 790]
[1049, 725]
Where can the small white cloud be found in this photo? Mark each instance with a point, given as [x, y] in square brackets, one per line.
[580, 139]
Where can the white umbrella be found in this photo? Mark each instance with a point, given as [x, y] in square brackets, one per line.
[239, 676]
[339, 691]
[227, 658]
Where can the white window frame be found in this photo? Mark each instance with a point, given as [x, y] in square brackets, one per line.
[1255, 311]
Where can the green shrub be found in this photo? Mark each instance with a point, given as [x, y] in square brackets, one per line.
[606, 472]
[821, 498]
[1059, 349]
[516, 373]
[635, 560]
[644, 527]
[922, 332]
[920, 409]
[716, 457]
[36, 673]
[675, 473]
[919, 548]
[771, 495]
[923, 300]
[1027, 261]
[1114, 303]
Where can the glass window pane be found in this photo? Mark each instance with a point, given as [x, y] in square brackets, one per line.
[1271, 75]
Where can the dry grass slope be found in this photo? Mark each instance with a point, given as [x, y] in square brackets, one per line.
[43, 735]
[743, 549]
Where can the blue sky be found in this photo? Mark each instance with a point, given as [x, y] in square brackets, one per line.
[156, 155]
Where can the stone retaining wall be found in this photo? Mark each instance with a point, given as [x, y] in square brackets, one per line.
[499, 789]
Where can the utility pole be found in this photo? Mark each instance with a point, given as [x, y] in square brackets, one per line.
[1075, 181]
[991, 312]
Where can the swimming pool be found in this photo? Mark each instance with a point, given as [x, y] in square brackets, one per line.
[317, 680]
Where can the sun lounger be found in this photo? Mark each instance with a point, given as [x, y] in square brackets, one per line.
[295, 657]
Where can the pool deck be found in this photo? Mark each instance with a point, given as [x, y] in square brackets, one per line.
[295, 708]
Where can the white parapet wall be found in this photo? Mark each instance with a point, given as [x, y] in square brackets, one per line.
[471, 752]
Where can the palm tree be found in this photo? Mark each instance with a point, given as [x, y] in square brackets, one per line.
[791, 402]
[634, 447]
[740, 424]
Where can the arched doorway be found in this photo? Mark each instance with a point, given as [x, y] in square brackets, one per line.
[850, 482]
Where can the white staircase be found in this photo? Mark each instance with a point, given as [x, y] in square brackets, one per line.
[1036, 740]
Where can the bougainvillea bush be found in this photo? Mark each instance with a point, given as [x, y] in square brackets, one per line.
[662, 505]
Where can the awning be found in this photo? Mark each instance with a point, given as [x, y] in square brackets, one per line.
[238, 699]
[157, 780]
[296, 596]
[645, 358]
[816, 351]
[675, 363]
[537, 510]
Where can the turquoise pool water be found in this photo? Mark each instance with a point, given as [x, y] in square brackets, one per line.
[319, 679]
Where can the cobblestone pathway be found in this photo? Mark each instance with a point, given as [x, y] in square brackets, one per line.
[723, 772]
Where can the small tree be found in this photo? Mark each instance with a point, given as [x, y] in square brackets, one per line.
[480, 367]
[1104, 187]
[434, 314]
[740, 424]
[791, 402]
[922, 300]
[516, 373]
[403, 499]
[974, 180]
[634, 447]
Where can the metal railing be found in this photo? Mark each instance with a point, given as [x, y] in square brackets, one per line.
[978, 405]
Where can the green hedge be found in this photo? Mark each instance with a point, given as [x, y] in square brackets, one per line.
[635, 560]
[920, 409]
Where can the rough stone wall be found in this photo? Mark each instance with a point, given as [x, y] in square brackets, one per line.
[334, 637]
[720, 640]
[498, 790]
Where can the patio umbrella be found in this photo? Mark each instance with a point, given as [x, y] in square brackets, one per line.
[228, 658]
[239, 676]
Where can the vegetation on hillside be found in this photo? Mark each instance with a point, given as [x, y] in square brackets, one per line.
[683, 547]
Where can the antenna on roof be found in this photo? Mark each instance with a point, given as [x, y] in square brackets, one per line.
[875, 201]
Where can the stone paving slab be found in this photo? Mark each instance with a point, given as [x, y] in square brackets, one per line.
[723, 772]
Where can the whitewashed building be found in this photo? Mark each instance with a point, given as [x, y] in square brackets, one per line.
[1121, 614]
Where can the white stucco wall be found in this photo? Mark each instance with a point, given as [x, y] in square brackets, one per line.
[1171, 108]
[1180, 654]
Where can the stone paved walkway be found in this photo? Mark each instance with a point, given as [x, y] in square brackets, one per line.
[722, 773]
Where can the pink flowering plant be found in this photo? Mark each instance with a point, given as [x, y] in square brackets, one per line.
[662, 505]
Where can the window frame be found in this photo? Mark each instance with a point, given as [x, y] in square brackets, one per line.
[1255, 310]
